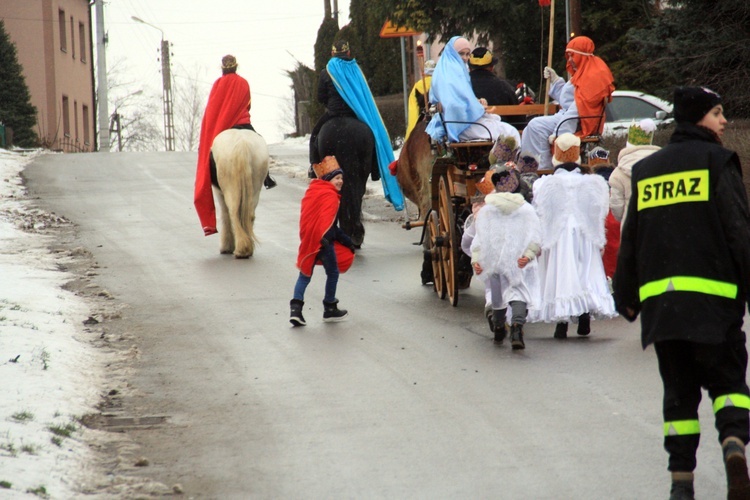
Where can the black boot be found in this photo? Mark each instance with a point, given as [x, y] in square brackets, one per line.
[738, 484]
[516, 337]
[269, 182]
[584, 324]
[561, 330]
[682, 486]
[332, 313]
[498, 325]
[488, 315]
[295, 317]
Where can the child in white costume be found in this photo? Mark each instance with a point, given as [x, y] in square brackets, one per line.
[503, 253]
[572, 208]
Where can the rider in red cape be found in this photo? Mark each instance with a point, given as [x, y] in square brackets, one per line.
[228, 107]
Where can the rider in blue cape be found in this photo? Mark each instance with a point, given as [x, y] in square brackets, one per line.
[352, 88]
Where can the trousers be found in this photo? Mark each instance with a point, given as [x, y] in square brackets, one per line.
[686, 368]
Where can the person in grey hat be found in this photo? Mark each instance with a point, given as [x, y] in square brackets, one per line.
[684, 267]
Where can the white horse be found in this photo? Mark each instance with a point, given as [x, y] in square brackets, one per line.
[241, 158]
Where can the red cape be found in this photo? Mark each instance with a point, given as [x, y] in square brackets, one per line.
[593, 82]
[228, 105]
[612, 247]
[317, 214]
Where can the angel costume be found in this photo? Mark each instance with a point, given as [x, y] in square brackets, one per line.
[572, 208]
[508, 228]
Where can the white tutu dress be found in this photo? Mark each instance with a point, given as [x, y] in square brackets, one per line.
[572, 208]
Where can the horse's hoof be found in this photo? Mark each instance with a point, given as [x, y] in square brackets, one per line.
[225, 252]
[242, 256]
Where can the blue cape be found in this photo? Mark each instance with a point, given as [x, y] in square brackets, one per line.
[353, 88]
[451, 87]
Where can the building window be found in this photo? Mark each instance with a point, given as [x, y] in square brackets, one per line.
[63, 31]
[66, 116]
[72, 38]
[82, 41]
[85, 114]
[75, 119]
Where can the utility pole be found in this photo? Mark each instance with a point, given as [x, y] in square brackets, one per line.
[166, 75]
[101, 70]
[166, 78]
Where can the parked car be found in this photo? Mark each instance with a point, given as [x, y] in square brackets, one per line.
[628, 105]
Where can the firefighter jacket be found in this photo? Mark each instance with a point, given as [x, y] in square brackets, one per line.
[684, 260]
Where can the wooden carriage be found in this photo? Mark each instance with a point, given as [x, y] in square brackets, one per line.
[455, 172]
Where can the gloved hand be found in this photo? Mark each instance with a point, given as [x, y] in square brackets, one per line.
[549, 74]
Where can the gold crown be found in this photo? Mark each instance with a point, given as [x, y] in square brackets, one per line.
[485, 186]
[326, 166]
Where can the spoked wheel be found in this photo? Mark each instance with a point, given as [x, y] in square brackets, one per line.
[450, 247]
[434, 242]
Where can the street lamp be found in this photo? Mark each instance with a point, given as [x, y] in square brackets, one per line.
[166, 76]
[115, 119]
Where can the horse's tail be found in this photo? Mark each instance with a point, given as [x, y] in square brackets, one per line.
[243, 158]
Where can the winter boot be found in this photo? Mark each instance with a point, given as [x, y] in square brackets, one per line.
[268, 182]
[738, 483]
[516, 337]
[682, 486]
[561, 330]
[488, 315]
[584, 324]
[295, 317]
[497, 320]
[332, 313]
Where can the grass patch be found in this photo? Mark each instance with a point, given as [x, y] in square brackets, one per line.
[5, 484]
[57, 441]
[39, 491]
[23, 416]
[9, 447]
[29, 449]
[64, 431]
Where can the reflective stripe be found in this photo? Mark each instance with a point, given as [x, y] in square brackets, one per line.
[682, 427]
[670, 189]
[728, 400]
[688, 284]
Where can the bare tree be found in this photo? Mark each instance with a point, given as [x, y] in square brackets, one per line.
[189, 102]
[133, 121]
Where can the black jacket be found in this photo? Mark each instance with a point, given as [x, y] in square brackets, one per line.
[684, 260]
[488, 85]
[330, 97]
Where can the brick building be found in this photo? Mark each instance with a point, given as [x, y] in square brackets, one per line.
[53, 39]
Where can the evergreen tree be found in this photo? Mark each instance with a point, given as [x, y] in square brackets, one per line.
[701, 42]
[380, 59]
[16, 110]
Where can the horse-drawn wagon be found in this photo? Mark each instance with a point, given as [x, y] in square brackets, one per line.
[456, 168]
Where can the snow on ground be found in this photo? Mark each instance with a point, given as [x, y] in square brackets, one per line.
[49, 373]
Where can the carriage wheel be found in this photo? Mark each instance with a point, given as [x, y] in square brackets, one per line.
[450, 247]
[434, 242]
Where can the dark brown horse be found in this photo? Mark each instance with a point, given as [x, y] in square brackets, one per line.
[414, 168]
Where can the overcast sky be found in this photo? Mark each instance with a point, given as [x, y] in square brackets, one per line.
[266, 36]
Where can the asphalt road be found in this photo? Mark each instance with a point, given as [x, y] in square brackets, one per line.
[409, 398]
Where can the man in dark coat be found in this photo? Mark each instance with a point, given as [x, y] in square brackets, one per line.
[684, 266]
[486, 84]
[329, 97]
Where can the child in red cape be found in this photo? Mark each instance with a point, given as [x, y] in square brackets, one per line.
[322, 241]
